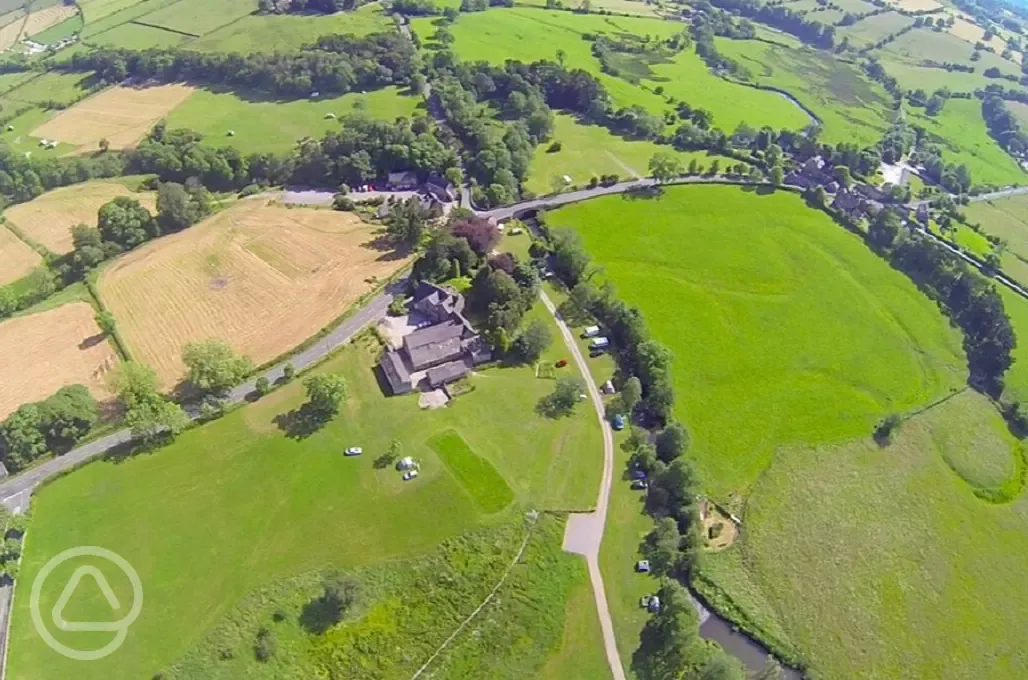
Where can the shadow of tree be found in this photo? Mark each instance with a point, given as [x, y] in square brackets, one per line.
[302, 422]
[318, 615]
[383, 461]
[92, 341]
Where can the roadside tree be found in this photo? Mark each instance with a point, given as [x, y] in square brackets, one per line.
[212, 366]
[664, 167]
[561, 402]
[325, 393]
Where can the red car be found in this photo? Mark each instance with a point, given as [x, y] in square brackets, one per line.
[562, 363]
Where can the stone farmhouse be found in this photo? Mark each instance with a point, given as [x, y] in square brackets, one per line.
[441, 352]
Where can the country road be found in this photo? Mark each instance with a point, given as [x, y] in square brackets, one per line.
[584, 532]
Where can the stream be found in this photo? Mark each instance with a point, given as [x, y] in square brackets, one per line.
[750, 652]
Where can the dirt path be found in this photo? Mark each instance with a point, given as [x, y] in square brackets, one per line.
[624, 166]
[584, 532]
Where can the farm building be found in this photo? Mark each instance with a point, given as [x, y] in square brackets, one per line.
[402, 180]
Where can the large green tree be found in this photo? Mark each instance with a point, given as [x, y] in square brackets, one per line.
[533, 341]
[125, 222]
[664, 167]
[179, 207]
[148, 413]
[325, 393]
[212, 366]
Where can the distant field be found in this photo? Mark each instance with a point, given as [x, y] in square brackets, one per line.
[268, 33]
[276, 126]
[18, 259]
[122, 115]
[43, 88]
[1007, 218]
[965, 139]
[591, 151]
[871, 29]
[1016, 378]
[101, 18]
[50, 218]
[240, 276]
[916, 5]
[40, 19]
[920, 45]
[65, 29]
[637, 7]
[41, 353]
[133, 36]
[1020, 111]
[9, 81]
[20, 138]
[851, 107]
[94, 10]
[199, 17]
[912, 77]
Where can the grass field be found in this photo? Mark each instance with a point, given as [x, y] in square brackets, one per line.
[920, 45]
[591, 151]
[133, 36]
[240, 276]
[940, 598]
[20, 138]
[785, 328]
[101, 15]
[199, 17]
[65, 29]
[60, 88]
[961, 131]
[851, 108]
[270, 33]
[1006, 218]
[1020, 111]
[871, 29]
[479, 478]
[95, 10]
[276, 126]
[1016, 378]
[41, 353]
[252, 507]
[49, 218]
[18, 258]
[122, 115]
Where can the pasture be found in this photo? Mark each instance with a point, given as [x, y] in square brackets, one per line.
[65, 29]
[17, 257]
[921, 45]
[43, 352]
[122, 115]
[1016, 378]
[960, 130]
[1020, 111]
[851, 107]
[240, 276]
[870, 30]
[940, 598]
[101, 15]
[198, 17]
[48, 88]
[49, 218]
[256, 507]
[263, 125]
[1006, 218]
[137, 36]
[20, 139]
[42, 19]
[270, 33]
[786, 329]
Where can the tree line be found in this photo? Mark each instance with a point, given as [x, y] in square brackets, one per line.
[809, 31]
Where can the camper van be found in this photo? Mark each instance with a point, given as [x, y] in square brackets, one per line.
[599, 344]
[591, 331]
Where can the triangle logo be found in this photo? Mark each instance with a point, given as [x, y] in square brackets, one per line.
[69, 590]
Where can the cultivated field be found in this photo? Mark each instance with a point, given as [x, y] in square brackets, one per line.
[257, 508]
[785, 328]
[122, 115]
[50, 218]
[243, 275]
[18, 259]
[41, 353]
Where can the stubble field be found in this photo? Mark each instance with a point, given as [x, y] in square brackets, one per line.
[17, 258]
[242, 276]
[50, 218]
[41, 353]
[122, 115]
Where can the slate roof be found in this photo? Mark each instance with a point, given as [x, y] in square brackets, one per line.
[440, 375]
[434, 344]
[396, 372]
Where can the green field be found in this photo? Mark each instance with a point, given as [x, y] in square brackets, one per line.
[94, 10]
[241, 506]
[920, 45]
[882, 561]
[100, 18]
[10, 81]
[961, 131]
[133, 36]
[591, 151]
[479, 478]
[270, 33]
[851, 108]
[871, 29]
[1016, 378]
[1006, 218]
[199, 17]
[19, 139]
[266, 126]
[785, 328]
[1020, 111]
[60, 88]
[636, 7]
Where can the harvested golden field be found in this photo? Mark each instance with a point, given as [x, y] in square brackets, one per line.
[122, 115]
[41, 353]
[972, 33]
[260, 277]
[16, 258]
[43, 19]
[50, 218]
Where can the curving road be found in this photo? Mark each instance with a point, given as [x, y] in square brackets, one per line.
[584, 532]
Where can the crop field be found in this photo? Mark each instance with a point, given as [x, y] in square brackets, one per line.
[961, 131]
[262, 125]
[851, 107]
[786, 329]
[122, 115]
[37, 21]
[18, 259]
[49, 218]
[41, 353]
[270, 33]
[240, 276]
[871, 29]
[591, 151]
[941, 596]
[199, 17]
[256, 507]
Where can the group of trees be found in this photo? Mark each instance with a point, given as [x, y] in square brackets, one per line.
[809, 31]
[335, 64]
[932, 104]
[151, 416]
[54, 424]
[1004, 126]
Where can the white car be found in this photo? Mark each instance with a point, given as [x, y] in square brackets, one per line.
[353, 451]
[409, 475]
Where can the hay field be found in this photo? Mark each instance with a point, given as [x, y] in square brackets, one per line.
[121, 114]
[263, 278]
[50, 218]
[41, 353]
[16, 258]
[45, 18]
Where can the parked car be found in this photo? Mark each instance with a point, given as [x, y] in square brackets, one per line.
[409, 475]
[353, 451]
[562, 363]
[640, 484]
[618, 422]
[637, 474]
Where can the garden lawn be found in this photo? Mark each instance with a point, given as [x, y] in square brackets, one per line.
[592, 151]
[961, 131]
[882, 562]
[852, 108]
[235, 505]
[282, 32]
[785, 328]
[264, 125]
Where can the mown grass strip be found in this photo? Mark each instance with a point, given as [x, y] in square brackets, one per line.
[477, 475]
